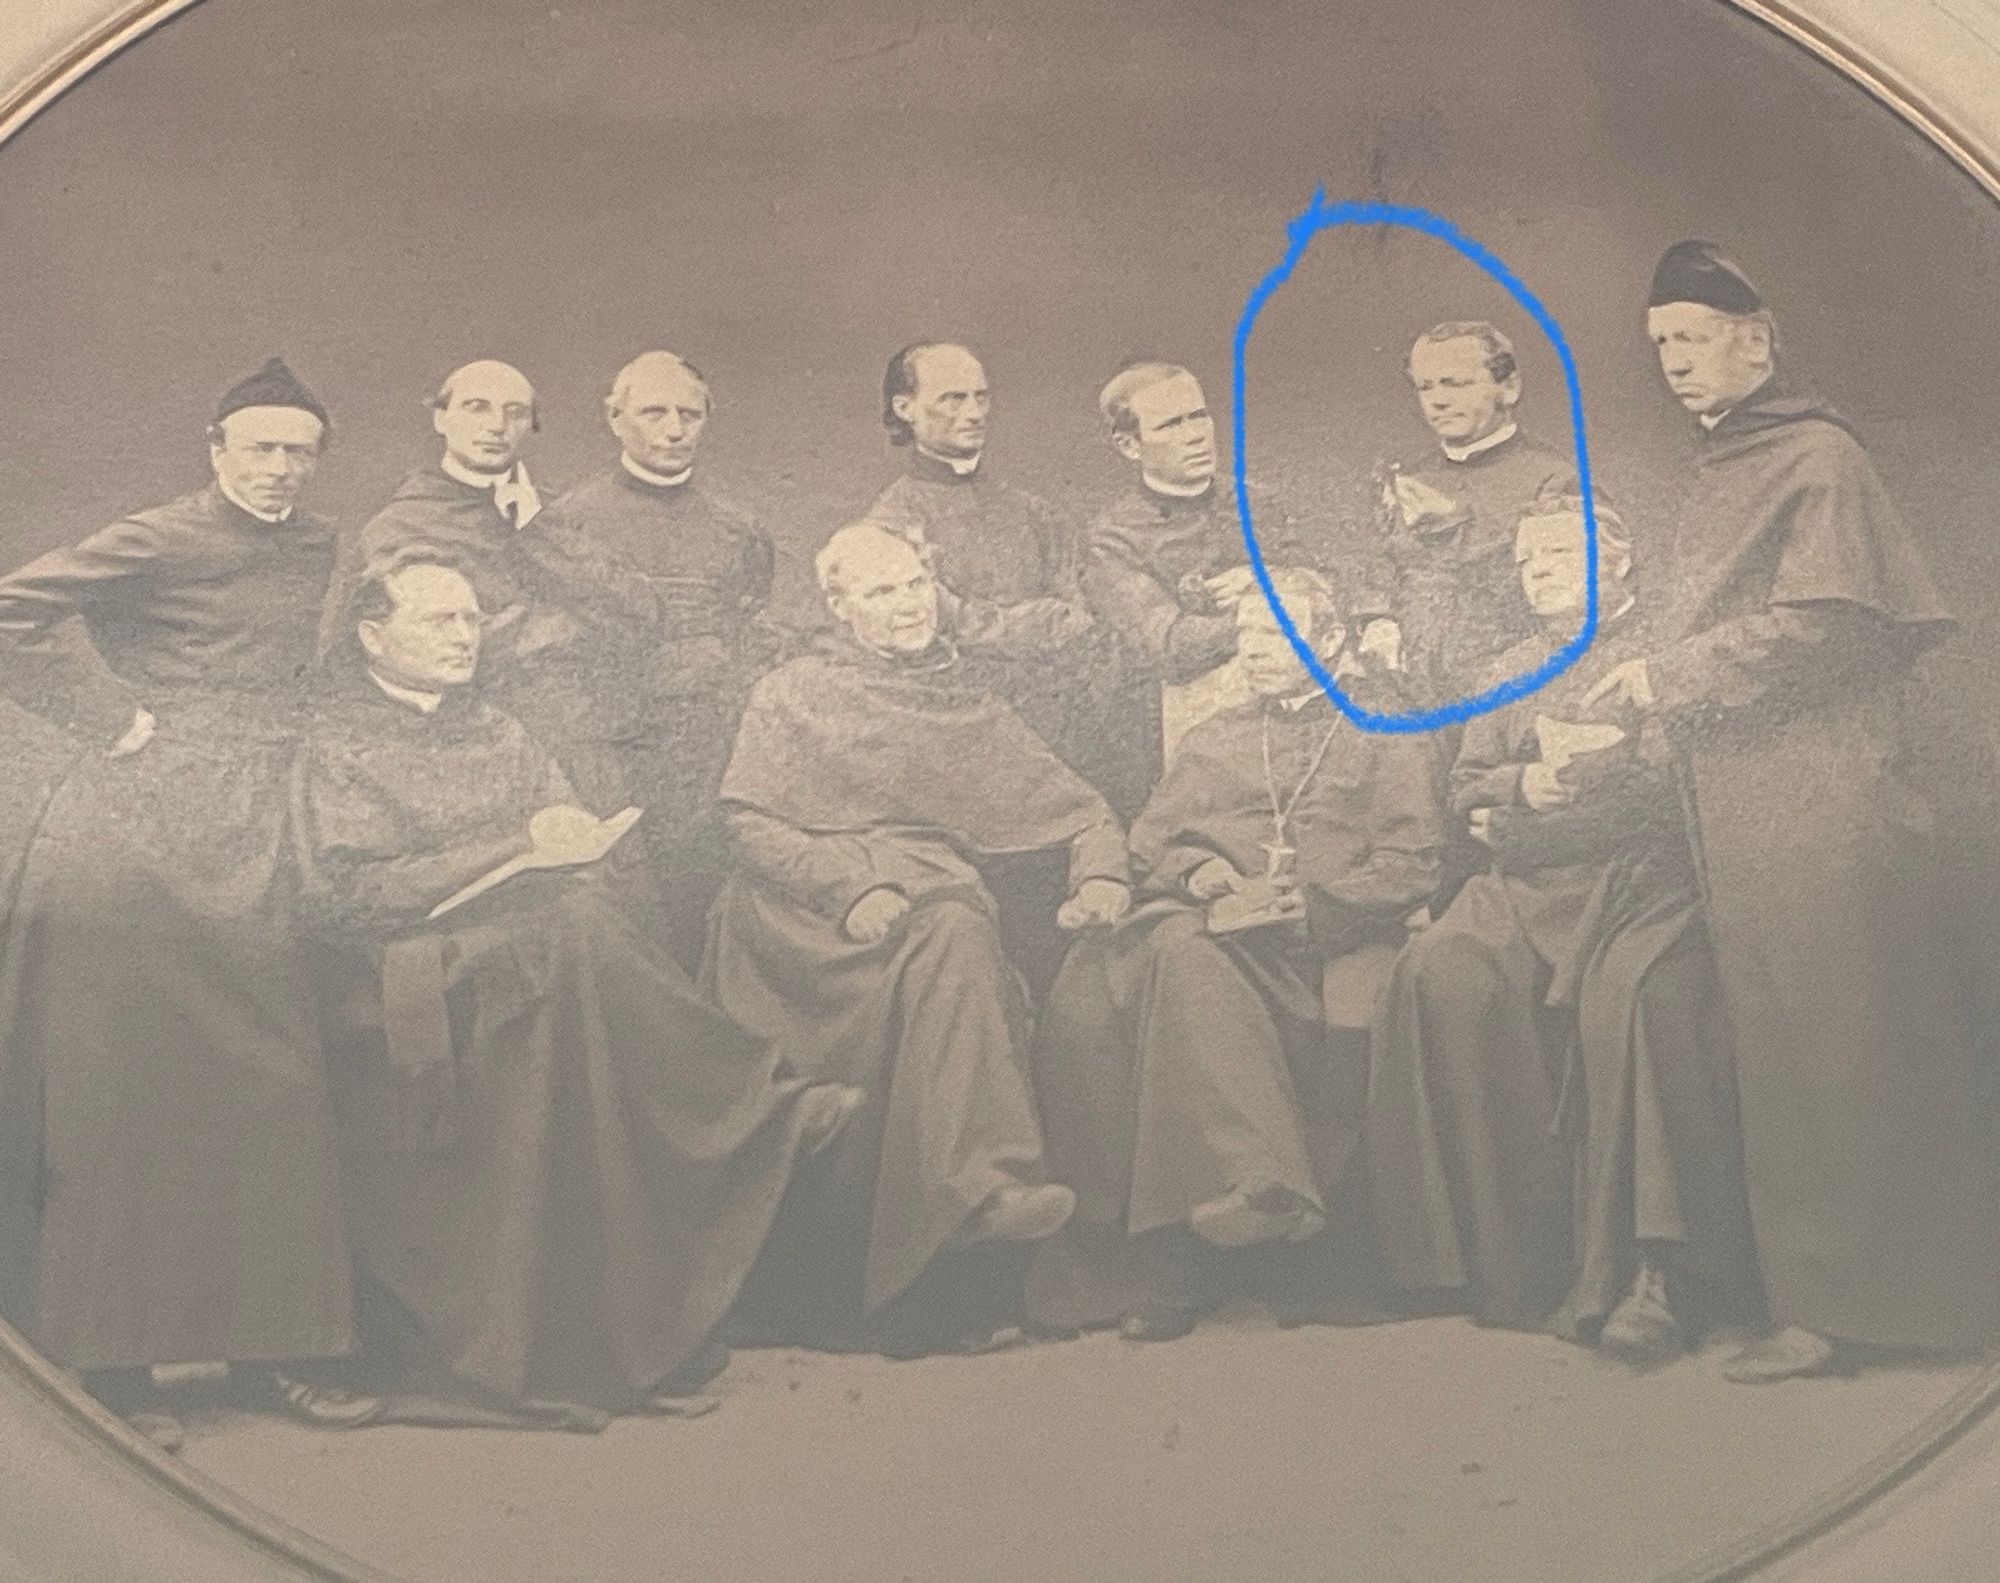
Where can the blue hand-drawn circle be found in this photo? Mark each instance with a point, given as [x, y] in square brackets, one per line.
[1319, 216]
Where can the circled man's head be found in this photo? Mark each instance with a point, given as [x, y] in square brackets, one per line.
[1466, 380]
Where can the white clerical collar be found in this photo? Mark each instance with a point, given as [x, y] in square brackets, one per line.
[1465, 453]
[472, 479]
[1630, 601]
[244, 506]
[964, 466]
[646, 475]
[1176, 491]
[424, 703]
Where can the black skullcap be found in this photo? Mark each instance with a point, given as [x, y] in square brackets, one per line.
[273, 385]
[1699, 272]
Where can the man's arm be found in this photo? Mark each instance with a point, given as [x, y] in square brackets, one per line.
[1748, 659]
[1400, 855]
[1179, 644]
[1486, 773]
[51, 667]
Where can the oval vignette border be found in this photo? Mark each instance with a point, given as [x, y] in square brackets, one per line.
[286, 1552]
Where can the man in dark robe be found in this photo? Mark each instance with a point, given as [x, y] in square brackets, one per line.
[1006, 566]
[1165, 563]
[1798, 605]
[1443, 563]
[1552, 1126]
[562, 1160]
[668, 584]
[166, 1159]
[871, 781]
[1192, 1085]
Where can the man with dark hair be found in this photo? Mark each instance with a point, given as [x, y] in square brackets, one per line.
[667, 582]
[167, 1189]
[1004, 560]
[1443, 564]
[873, 784]
[1198, 1083]
[564, 1160]
[1779, 667]
[1554, 1035]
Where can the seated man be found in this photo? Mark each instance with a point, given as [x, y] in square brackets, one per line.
[1190, 1077]
[870, 780]
[562, 1160]
[1565, 1000]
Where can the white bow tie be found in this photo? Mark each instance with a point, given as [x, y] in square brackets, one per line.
[516, 498]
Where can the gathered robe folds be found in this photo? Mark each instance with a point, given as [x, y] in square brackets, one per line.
[1552, 1083]
[1797, 605]
[667, 584]
[167, 1174]
[1175, 1065]
[854, 772]
[561, 1160]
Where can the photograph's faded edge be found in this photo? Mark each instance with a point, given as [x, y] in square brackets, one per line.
[48, 1421]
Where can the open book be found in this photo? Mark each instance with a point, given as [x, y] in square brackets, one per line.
[553, 839]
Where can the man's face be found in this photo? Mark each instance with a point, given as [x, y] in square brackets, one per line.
[1173, 438]
[430, 641]
[947, 410]
[1265, 655]
[1711, 360]
[1549, 555]
[265, 456]
[486, 417]
[1461, 400]
[660, 418]
[887, 599]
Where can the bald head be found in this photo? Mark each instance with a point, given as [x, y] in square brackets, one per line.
[879, 588]
[934, 394]
[485, 411]
[658, 406]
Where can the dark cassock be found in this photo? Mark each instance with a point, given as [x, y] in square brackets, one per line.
[1178, 1066]
[1145, 559]
[167, 1179]
[1448, 579]
[561, 1159]
[1020, 619]
[1799, 604]
[1551, 1101]
[855, 772]
[667, 585]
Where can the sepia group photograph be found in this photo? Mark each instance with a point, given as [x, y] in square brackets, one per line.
[926, 792]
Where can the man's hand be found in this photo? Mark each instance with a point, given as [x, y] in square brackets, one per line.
[1217, 877]
[871, 918]
[1418, 502]
[565, 836]
[136, 736]
[1097, 901]
[1226, 588]
[1627, 686]
[1382, 644]
[1481, 825]
[1542, 789]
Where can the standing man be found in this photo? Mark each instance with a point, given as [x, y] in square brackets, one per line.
[1444, 565]
[1799, 604]
[1005, 563]
[668, 583]
[167, 1185]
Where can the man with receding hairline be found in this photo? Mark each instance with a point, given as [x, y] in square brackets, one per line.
[667, 582]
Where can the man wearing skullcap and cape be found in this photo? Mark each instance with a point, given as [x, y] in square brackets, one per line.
[1794, 610]
[167, 1187]
[870, 780]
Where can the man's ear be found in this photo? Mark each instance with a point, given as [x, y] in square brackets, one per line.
[837, 605]
[370, 634]
[1126, 444]
[1510, 390]
[437, 419]
[904, 406]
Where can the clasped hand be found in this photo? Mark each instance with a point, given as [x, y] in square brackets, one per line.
[564, 836]
[1096, 902]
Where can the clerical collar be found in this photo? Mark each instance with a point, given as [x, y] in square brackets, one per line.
[1709, 420]
[424, 703]
[454, 468]
[963, 466]
[646, 475]
[1176, 491]
[246, 508]
[1465, 453]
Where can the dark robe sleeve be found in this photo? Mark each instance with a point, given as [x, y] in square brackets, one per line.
[827, 872]
[1401, 854]
[1487, 771]
[1752, 657]
[48, 663]
[1178, 644]
[1099, 853]
[363, 867]
[1166, 842]
[1043, 624]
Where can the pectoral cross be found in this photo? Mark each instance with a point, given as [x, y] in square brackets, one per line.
[1279, 856]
